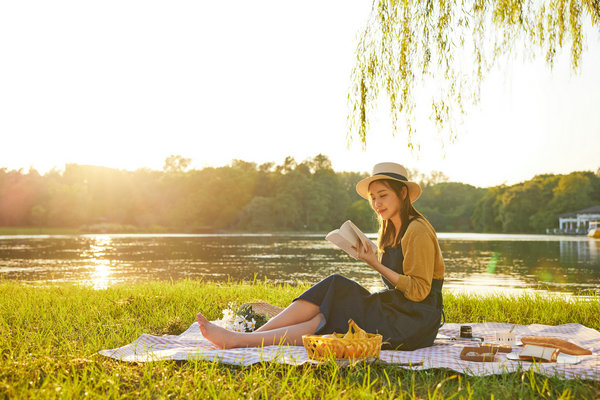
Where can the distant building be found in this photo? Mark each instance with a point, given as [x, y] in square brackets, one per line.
[578, 222]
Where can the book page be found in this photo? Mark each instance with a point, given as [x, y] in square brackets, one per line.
[345, 238]
[362, 237]
[349, 233]
[340, 241]
[349, 236]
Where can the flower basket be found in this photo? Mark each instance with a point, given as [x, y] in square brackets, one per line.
[340, 346]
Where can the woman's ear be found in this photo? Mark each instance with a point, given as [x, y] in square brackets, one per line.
[404, 192]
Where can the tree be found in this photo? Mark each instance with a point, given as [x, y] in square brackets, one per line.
[449, 206]
[68, 204]
[217, 197]
[425, 180]
[176, 164]
[544, 217]
[289, 164]
[572, 193]
[453, 45]
[361, 213]
[320, 162]
[258, 215]
[518, 204]
[38, 215]
[18, 194]
[486, 216]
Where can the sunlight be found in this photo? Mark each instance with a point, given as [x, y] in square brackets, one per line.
[102, 272]
[488, 284]
[101, 267]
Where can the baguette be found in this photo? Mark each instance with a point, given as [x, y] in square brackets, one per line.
[563, 345]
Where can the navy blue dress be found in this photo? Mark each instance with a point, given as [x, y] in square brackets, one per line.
[404, 324]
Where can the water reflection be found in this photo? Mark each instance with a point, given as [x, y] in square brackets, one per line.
[100, 267]
[579, 251]
[474, 262]
[543, 262]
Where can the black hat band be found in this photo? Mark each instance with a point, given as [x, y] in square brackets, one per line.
[393, 175]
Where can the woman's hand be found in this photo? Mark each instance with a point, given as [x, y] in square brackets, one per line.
[367, 254]
[370, 257]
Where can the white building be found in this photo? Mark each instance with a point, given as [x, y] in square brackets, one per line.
[578, 222]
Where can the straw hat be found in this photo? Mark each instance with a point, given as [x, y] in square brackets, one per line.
[388, 170]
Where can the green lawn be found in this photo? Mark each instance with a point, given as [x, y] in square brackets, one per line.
[31, 230]
[50, 336]
[95, 229]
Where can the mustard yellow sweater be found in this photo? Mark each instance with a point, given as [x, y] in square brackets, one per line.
[422, 260]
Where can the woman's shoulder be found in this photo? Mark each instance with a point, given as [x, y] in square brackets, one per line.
[420, 226]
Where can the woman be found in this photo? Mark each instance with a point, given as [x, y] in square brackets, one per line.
[407, 314]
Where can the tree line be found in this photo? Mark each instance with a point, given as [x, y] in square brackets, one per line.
[291, 196]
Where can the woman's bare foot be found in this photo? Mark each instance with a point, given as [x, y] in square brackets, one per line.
[219, 336]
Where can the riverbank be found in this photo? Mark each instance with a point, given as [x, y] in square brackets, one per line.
[50, 335]
[84, 230]
[31, 230]
[116, 229]
[131, 229]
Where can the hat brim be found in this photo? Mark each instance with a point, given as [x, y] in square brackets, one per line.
[362, 187]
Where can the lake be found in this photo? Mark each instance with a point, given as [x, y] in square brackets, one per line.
[475, 263]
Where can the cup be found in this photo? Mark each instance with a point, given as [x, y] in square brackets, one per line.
[505, 337]
[466, 331]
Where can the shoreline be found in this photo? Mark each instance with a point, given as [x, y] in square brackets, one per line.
[24, 232]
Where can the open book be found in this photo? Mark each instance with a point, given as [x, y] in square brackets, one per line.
[348, 236]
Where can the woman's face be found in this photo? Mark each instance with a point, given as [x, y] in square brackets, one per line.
[384, 200]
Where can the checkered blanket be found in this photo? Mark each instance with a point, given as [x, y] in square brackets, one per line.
[443, 354]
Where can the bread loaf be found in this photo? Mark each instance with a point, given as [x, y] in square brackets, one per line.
[539, 353]
[563, 345]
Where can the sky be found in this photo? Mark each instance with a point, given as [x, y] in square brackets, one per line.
[125, 84]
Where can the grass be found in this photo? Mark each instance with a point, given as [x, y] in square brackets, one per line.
[50, 335]
[32, 230]
[91, 229]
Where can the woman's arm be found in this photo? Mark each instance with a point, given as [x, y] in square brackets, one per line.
[367, 255]
[419, 252]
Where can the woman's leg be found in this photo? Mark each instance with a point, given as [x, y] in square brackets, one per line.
[297, 312]
[225, 339]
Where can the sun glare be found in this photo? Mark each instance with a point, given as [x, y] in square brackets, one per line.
[101, 268]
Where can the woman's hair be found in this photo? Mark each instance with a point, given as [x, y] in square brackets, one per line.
[387, 231]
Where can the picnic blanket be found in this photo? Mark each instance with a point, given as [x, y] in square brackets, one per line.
[443, 354]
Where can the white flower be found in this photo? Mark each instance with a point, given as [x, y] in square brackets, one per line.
[235, 323]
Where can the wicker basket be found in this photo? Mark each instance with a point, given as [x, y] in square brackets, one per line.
[335, 346]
